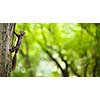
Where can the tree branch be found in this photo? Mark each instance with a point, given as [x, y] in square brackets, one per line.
[55, 60]
[66, 64]
[75, 73]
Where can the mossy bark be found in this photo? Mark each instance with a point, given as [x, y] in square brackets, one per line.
[6, 37]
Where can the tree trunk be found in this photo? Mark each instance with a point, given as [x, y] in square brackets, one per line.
[6, 37]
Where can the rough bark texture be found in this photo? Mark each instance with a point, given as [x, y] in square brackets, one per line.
[6, 36]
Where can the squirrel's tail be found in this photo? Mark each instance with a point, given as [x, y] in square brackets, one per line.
[14, 61]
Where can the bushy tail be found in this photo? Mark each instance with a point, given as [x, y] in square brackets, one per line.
[14, 61]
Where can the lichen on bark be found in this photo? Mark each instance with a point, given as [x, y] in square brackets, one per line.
[6, 36]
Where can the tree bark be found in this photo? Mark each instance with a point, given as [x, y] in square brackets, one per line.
[6, 37]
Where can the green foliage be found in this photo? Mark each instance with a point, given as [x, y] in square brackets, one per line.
[55, 74]
[58, 48]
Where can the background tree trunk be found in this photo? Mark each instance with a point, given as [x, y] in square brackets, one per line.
[6, 37]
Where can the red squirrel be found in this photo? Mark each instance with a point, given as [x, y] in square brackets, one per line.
[16, 48]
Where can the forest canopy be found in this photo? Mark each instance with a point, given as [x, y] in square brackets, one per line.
[58, 50]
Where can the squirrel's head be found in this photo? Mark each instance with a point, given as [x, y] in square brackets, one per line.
[22, 32]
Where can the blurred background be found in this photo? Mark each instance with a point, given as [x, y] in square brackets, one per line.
[58, 50]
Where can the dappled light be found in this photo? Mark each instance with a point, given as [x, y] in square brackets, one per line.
[58, 50]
